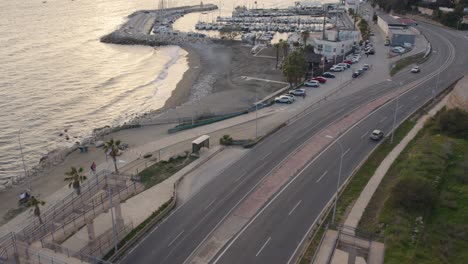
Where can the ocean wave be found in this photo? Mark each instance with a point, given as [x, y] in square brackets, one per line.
[162, 75]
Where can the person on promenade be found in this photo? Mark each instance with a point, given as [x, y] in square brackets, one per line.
[93, 167]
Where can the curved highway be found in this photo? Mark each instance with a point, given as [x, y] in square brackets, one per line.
[274, 234]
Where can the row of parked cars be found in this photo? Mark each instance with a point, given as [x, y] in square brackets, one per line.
[290, 97]
[315, 82]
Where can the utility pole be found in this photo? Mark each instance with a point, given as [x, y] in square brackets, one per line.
[324, 21]
[437, 86]
[339, 176]
[22, 158]
[256, 115]
[396, 110]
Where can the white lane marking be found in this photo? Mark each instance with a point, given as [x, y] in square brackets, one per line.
[240, 177]
[323, 175]
[383, 119]
[208, 206]
[264, 157]
[365, 134]
[346, 152]
[173, 240]
[264, 245]
[294, 208]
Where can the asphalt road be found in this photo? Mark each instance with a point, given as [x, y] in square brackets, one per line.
[274, 234]
[274, 230]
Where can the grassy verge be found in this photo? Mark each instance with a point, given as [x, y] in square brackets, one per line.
[405, 62]
[357, 184]
[163, 170]
[425, 221]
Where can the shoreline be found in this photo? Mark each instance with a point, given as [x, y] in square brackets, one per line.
[183, 88]
[179, 96]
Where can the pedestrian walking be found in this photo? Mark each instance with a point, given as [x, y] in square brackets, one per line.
[93, 167]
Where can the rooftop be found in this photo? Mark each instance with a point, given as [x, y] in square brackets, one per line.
[389, 19]
[401, 31]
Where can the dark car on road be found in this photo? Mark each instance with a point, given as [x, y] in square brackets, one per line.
[328, 75]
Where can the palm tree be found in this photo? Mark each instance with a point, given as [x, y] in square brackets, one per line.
[277, 47]
[285, 47]
[33, 202]
[75, 177]
[305, 35]
[112, 148]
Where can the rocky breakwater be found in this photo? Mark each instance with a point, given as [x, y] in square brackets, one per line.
[137, 30]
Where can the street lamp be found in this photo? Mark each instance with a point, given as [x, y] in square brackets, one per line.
[396, 110]
[437, 86]
[339, 176]
[22, 158]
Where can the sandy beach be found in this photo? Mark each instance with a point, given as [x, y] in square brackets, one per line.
[214, 84]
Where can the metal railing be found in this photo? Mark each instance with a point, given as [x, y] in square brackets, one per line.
[63, 207]
[78, 219]
[71, 253]
[75, 215]
[106, 241]
[13, 251]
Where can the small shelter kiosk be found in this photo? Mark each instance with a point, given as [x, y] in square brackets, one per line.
[197, 144]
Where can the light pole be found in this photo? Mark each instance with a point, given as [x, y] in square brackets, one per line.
[396, 110]
[114, 234]
[256, 115]
[339, 176]
[437, 85]
[22, 158]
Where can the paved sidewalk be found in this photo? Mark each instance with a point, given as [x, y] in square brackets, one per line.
[358, 209]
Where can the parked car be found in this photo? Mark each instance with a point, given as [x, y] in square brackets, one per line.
[365, 66]
[376, 135]
[328, 75]
[337, 68]
[312, 83]
[298, 92]
[344, 65]
[415, 69]
[283, 100]
[356, 74]
[348, 61]
[361, 70]
[290, 96]
[320, 79]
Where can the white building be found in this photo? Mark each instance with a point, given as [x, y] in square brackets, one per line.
[333, 45]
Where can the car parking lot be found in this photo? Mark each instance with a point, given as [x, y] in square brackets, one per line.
[369, 69]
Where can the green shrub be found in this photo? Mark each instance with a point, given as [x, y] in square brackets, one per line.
[226, 140]
[454, 123]
[414, 193]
